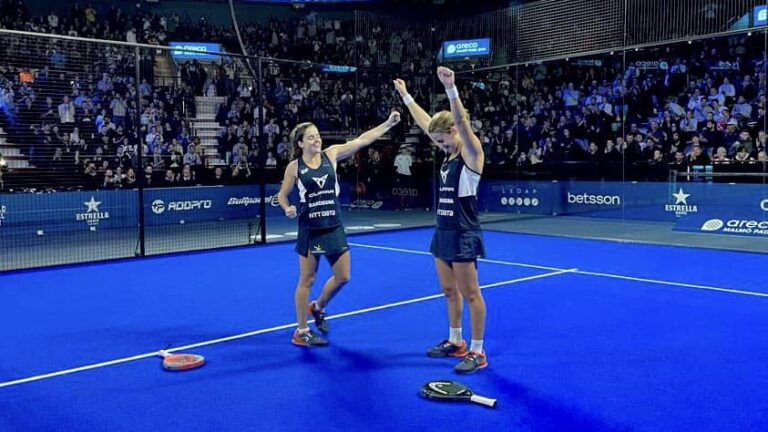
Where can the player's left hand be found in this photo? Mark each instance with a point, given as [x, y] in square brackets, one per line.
[394, 118]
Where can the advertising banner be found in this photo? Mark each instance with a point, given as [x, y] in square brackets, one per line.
[98, 210]
[760, 15]
[527, 197]
[729, 209]
[467, 48]
[68, 211]
[195, 51]
[209, 203]
[648, 201]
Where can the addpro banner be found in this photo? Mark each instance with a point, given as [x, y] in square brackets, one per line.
[209, 203]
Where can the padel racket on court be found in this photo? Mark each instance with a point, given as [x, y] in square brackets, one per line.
[181, 362]
[453, 391]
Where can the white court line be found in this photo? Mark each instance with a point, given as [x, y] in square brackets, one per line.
[479, 259]
[583, 272]
[680, 284]
[262, 331]
[434, 296]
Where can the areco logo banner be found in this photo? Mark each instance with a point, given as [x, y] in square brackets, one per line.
[733, 217]
[195, 50]
[467, 48]
[736, 226]
[748, 227]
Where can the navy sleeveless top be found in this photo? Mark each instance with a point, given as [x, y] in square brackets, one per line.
[457, 196]
[319, 195]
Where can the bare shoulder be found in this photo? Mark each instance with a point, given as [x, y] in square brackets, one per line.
[475, 161]
[292, 168]
[332, 151]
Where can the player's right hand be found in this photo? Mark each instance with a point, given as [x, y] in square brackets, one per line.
[400, 87]
[291, 212]
[446, 76]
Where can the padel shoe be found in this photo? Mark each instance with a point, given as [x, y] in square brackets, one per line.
[471, 363]
[319, 317]
[448, 349]
[308, 339]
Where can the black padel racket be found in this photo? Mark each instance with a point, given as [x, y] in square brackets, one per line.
[453, 391]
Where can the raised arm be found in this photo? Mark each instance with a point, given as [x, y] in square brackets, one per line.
[343, 151]
[473, 149]
[289, 181]
[421, 117]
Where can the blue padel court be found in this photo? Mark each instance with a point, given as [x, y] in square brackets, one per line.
[582, 335]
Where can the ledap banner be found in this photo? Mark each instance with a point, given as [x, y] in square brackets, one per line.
[529, 197]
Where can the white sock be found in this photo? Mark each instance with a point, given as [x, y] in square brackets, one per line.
[454, 335]
[302, 330]
[476, 346]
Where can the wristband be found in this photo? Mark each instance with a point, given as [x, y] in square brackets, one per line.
[452, 93]
[408, 99]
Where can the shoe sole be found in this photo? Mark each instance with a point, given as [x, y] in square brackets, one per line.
[302, 344]
[482, 366]
[456, 354]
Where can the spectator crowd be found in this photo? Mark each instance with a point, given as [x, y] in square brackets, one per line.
[79, 113]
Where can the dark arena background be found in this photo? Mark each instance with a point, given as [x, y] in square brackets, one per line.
[623, 202]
